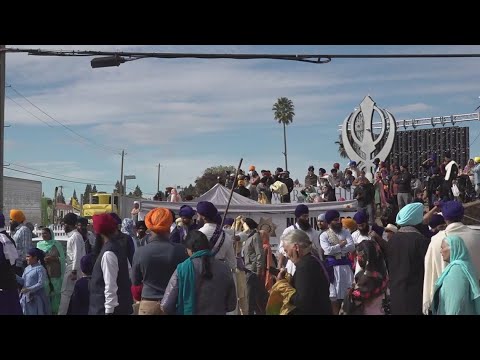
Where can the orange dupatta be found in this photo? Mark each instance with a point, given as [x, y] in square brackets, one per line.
[269, 279]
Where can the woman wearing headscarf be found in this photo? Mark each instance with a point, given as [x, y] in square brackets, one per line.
[367, 295]
[128, 228]
[405, 257]
[456, 290]
[33, 298]
[201, 285]
[110, 284]
[55, 265]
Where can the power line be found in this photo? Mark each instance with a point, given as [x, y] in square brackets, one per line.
[49, 177]
[48, 172]
[475, 139]
[60, 123]
[310, 58]
[46, 123]
[143, 193]
[35, 116]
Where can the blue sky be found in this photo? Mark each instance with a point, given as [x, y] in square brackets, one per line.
[190, 114]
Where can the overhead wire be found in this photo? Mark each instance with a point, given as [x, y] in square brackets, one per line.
[51, 173]
[52, 178]
[59, 122]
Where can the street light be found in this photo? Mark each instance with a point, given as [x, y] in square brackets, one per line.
[107, 61]
[125, 178]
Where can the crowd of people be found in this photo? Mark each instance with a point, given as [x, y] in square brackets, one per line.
[200, 263]
[390, 185]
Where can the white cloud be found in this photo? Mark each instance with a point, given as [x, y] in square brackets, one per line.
[409, 108]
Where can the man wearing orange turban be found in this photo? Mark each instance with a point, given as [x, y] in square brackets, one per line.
[349, 224]
[154, 263]
[159, 220]
[22, 236]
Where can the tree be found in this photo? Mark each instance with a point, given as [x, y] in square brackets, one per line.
[94, 189]
[189, 191]
[208, 179]
[118, 187]
[60, 197]
[284, 113]
[137, 192]
[86, 194]
[341, 148]
[75, 194]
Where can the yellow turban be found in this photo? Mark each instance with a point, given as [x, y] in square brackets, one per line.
[477, 159]
[17, 215]
[349, 223]
[159, 220]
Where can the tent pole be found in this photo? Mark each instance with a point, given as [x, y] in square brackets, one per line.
[231, 193]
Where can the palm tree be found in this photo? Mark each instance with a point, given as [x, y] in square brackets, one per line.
[341, 148]
[284, 113]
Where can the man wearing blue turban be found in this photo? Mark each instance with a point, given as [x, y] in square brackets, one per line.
[336, 243]
[185, 226]
[220, 241]
[405, 257]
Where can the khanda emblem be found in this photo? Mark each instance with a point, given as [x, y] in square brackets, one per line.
[359, 140]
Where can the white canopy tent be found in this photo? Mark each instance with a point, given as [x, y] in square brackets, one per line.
[270, 217]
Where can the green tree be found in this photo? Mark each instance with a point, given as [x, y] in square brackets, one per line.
[86, 194]
[341, 148]
[75, 194]
[94, 189]
[137, 192]
[60, 197]
[118, 187]
[283, 112]
[209, 178]
[190, 190]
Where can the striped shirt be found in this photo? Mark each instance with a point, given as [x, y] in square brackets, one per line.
[23, 241]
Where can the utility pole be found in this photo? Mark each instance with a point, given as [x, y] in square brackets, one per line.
[2, 118]
[121, 175]
[158, 178]
[54, 205]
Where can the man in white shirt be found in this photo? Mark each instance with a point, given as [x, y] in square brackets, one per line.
[363, 229]
[75, 251]
[221, 242]
[22, 236]
[452, 212]
[336, 244]
[302, 223]
[110, 286]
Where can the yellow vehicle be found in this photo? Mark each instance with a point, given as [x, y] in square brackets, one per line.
[100, 203]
